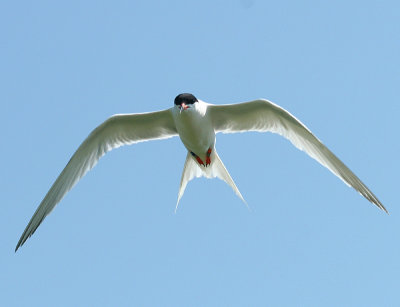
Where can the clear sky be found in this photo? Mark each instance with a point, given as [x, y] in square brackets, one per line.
[114, 240]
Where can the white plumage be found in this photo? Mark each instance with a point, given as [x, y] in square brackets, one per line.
[196, 123]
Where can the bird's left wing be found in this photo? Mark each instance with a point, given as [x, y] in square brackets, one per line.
[262, 115]
[118, 130]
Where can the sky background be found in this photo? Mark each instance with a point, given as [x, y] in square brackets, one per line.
[114, 240]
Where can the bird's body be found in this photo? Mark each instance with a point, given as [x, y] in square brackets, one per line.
[196, 123]
[195, 129]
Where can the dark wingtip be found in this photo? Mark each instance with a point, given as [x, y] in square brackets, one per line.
[16, 248]
[19, 244]
[384, 209]
[380, 206]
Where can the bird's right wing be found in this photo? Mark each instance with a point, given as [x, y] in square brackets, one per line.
[118, 130]
[262, 115]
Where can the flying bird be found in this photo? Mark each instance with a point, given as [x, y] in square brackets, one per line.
[196, 123]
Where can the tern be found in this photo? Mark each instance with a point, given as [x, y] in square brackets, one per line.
[196, 123]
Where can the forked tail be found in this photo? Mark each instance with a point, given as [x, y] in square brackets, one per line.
[217, 169]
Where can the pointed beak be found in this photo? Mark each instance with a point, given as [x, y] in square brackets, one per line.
[183, 106]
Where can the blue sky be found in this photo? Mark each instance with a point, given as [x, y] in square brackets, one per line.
[114, 240]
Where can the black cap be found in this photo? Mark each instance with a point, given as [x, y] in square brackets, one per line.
[185, 98]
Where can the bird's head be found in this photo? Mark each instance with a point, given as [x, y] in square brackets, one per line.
[185, 101]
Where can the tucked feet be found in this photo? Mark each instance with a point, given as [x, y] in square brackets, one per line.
[208, 159]
[197, 158]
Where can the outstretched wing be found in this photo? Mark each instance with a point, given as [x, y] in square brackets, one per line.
[262, 115]
[116, 131]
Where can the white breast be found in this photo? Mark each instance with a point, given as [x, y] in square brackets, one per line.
[195, 128]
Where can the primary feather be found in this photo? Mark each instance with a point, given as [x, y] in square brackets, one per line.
[262, 115]
[116, 131]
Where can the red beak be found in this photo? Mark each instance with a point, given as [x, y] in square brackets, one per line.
[184, 106]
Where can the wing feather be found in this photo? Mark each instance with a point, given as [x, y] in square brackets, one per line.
[262, 115]
[118, 130]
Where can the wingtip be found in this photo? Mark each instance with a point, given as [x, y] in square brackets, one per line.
[18, 246]
[380, 206]
[20, 243]
[23, 238]
[377, 203]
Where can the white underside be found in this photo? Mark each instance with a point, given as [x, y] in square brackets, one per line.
[197, 133]
[195, 129]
